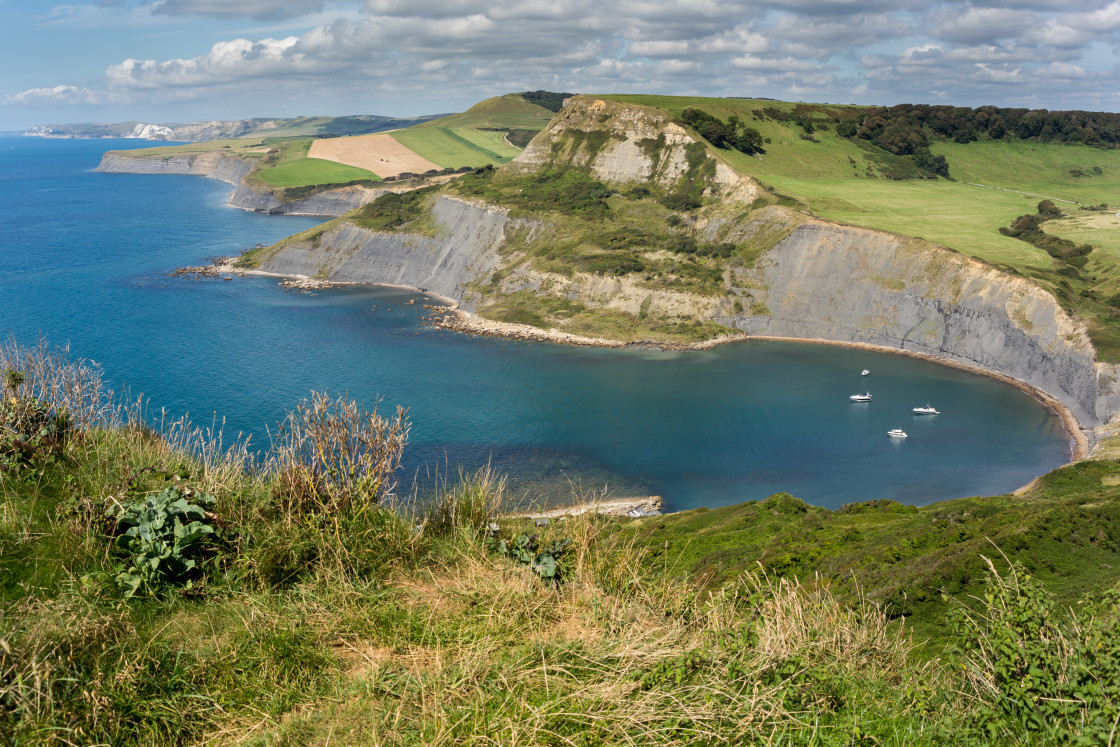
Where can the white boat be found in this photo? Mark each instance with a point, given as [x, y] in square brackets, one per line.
[864, 372]
[896, 433]
[927, 410]
[861, 397]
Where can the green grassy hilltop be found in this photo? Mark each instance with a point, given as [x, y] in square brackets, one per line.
[161, 588]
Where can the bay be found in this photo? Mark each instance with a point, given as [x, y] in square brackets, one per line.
[84, 258]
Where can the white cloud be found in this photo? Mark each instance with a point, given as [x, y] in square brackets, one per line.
[839, 50]
[659, 48]
[57, 95]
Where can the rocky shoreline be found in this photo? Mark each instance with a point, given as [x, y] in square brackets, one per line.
[647, 506]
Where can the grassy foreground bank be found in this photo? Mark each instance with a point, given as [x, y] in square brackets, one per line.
[160, 588]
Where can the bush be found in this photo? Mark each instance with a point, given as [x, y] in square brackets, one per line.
[1037, 670]
[615, 264]
[681, 201]
[333, 455]
[31, 430]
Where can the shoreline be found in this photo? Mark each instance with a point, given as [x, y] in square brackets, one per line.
[462, 321]
[458, 320]
[613, 507]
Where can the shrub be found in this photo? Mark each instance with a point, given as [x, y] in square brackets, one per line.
[332, 454]
[31, 429]
[681, 201]
[1037, 670]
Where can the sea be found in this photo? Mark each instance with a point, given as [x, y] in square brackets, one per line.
[84, 261]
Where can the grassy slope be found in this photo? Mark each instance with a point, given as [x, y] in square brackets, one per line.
[956, 215]
[251, 147]
[904, 557]
[346, 625]
[453, 147]
[475, 137]
[499, 113]
[304, 171]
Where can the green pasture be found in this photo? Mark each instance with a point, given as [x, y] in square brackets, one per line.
[1041, 168]
[500, 113]
[303, 171]
[252, 147]
[492, 141]
[454, 147]
[951, 214]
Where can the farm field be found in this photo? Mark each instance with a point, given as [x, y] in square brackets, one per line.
[299, 172]
[381, 154]
[252, 147]
[455, 147]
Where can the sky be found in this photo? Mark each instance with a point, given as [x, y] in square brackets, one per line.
[189, 60]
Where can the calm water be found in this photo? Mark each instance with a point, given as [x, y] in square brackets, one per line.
[83, 257]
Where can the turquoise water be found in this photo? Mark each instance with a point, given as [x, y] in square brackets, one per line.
[83, 257]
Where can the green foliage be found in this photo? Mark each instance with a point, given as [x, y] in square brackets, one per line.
[393, 210]
[617, 263]
[547, 561]
[32, 431]
[162, 539]
[1036, 669]
[550, 100]
[569, 191]
[731, 134]
[1028, 228]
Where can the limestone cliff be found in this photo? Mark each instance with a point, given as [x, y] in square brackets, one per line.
[463, 247]
[798, 277]
[625, 143]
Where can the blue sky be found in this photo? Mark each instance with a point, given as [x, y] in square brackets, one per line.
[189, 60]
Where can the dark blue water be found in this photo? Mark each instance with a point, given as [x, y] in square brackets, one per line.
[83, 257]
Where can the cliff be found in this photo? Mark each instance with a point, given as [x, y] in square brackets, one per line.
[791, 276]
[233, 170]
[462, 247]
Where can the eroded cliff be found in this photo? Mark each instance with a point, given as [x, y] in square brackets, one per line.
[789, 275]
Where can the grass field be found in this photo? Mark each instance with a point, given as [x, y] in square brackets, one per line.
[501, 112]
[1102, 230]
[304, 171]
[455, 147]
[252, 147]
[951, 214]
[1042, 168]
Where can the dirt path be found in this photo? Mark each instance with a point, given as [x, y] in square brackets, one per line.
[378, 153]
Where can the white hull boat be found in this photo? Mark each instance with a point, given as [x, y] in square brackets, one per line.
[897, 433]
[927, 410]
[861, 397]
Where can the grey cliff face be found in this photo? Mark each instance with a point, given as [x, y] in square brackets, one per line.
[465, 249]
